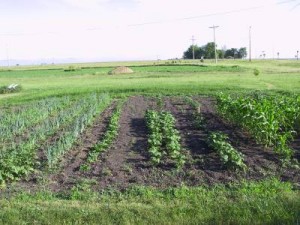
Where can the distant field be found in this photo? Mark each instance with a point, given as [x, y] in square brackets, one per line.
[175, 142]
[166, 77]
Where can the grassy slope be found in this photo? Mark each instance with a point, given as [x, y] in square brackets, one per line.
[267, 202]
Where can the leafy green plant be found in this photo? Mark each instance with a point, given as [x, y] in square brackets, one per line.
[230, 157]
[164, 139]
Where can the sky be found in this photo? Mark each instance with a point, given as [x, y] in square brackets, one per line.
[119, 30]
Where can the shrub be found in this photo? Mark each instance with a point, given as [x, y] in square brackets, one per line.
[256, 72]
[72, 68]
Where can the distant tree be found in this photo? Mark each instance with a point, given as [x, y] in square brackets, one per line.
[199, 52]
[209, 50]
[231, 53]
[221, 53]
[236, 53]
[242, 53]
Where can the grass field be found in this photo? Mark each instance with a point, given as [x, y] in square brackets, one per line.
[229, 76]
[76, 148]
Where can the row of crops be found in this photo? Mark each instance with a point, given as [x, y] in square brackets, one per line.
[271, 120]
[164, 139]
[49, 127]
[217, 140]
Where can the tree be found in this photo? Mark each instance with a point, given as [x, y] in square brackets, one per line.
[236, 53]
[209, 50]
[199, 52]
[242, 53]
[220, 53]
[231, 53]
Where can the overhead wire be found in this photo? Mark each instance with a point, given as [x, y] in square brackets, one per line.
[161, 21]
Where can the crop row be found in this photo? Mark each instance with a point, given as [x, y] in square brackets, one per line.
[229, 156]
[164, 139]
[18, 159]
[108, 138]
[218, 141]
[15, 122]
[66, 138]
[271, 120]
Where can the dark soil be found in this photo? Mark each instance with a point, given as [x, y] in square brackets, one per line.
[126, 163]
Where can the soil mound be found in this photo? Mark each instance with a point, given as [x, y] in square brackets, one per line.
[120, 70]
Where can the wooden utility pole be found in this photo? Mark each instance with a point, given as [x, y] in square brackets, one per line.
[250, 44]
[193, 40]
[214, 28]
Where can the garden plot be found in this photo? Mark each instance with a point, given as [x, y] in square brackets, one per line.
[115, 152]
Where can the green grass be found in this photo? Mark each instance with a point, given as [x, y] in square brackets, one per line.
[267, 202]
[229, 76]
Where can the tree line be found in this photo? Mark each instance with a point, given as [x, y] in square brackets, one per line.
[208, 52]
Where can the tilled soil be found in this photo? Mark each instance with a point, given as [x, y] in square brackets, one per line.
[70, 173]
[126, 163]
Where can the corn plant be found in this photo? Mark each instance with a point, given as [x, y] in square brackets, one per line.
[229, 156]
[271, 120]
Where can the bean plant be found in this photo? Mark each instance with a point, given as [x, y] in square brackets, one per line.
[230, 157]
[164, 139]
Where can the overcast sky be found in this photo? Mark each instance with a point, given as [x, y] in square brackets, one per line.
[143, 29]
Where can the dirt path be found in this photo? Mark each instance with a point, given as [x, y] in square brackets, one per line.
[116, 165]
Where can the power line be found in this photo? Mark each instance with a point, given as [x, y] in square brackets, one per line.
[197, 17]
[210, 14]
[158, 22]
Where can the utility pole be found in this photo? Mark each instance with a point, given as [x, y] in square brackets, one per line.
[250, 44]
[7, 56]
[193, 40]
[214, 27]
